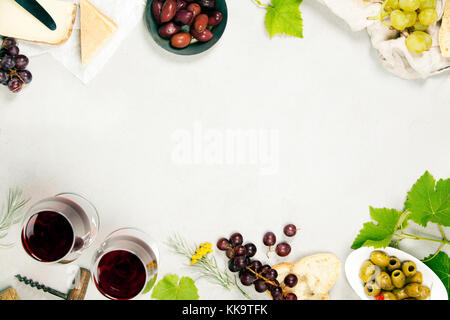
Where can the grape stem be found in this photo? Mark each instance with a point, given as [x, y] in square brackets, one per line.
[404, 235]
[261, 277]
[14, 73]
[382, 15]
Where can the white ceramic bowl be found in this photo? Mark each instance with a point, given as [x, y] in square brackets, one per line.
[356, 258]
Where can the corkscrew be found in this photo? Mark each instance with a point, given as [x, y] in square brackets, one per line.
[77, 292]
[39, 286]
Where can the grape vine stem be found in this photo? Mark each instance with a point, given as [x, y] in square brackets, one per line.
[262, 5]
[404, 235]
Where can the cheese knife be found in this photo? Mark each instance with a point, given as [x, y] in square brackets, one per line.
[33, 7]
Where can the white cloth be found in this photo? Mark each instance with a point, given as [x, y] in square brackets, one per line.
[125, 13]
[394, 55]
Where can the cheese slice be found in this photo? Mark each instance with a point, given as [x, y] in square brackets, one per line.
[444, 32]
[18, 23]
[96, 29]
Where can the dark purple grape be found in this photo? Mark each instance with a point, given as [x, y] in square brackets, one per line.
[271, 274]
[283, 249]
[184, 17]
[21, 61]
[256, 266]
[4, 77]
[8, 62]
[9, 42]
[236, 239]
[13, 50]
[231, 266]
[247, 278]
[209, 4]
[25, 75]
[240, 262]
[223, 244]
[230, 253]
[265, 268]
[15, 85]
[269, 239]
[260, 285]
[291, 296]
[251, 249]
[290, 230]
[291, 280]
[276, 293]
[240, 250]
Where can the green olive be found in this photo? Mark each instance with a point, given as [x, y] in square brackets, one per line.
[384, 281]
[398, 279]
[367, 271]
[372, 289]
[409, 268]
[416, 278]
[424, 293]
[400, 293]
[413, 290]
[394, 263]
[389, 295]
[379, 258]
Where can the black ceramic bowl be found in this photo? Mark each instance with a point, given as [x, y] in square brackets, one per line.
[195, 47]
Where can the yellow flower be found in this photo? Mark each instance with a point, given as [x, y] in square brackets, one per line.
[207, 245]
[201, 251]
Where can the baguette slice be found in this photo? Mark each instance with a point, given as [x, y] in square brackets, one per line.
[444, 32]
[316, 275]
[96, 29]
[17, 23]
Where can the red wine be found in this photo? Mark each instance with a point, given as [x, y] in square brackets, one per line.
[48, 236]
[120, 275]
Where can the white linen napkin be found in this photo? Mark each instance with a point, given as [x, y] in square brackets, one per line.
[125, 13]
[394, 55]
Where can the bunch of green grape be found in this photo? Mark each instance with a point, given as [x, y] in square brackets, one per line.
[415, 16]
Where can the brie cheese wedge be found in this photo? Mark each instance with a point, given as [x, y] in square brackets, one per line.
[444, 32]
[18, 23]
[96, 29]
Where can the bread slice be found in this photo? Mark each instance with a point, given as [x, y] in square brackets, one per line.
[444, 32]
[316, 275]
[17, 23]
[96, 29]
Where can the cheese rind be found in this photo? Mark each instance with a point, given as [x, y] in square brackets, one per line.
[96, 29]
[444, 32]
[17, 23]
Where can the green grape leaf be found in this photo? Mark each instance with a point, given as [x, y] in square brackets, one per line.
[150, 284]
[429, 201]
[171, 287]
[440, 264]
[284, 17]
[379, 235]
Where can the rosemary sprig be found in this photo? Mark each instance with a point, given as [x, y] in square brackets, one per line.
[10, 213]
[206, 267]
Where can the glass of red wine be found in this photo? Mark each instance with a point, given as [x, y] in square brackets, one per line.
[58, 229]
[125, 264]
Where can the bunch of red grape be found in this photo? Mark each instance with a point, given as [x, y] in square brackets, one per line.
[13, 65]
[253, 272]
